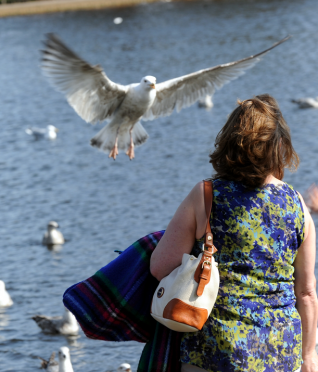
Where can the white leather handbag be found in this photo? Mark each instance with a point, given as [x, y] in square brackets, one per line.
[185, 298]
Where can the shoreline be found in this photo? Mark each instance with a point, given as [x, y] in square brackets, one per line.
[53, 6]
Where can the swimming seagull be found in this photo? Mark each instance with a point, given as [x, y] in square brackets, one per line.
[5, 299]
[52, 236]
[50, 365]
[63, 365]
[125, 367]
[49, 132]
[118, 20]
[306, 102]
[65, 325]
[96, 98]
[206, 102]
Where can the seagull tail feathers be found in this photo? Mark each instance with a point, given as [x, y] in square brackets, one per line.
[139, 134]
[105, 138]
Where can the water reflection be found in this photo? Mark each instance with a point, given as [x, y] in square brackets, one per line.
[54, 247]
[4, 318]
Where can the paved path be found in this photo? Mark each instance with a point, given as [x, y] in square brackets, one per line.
[50, 6]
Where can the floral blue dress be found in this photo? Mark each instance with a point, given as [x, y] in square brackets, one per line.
[254, 325]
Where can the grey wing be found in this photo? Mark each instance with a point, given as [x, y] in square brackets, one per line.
[183, 91]
[53, 365]
[87, 88]
[48, 325]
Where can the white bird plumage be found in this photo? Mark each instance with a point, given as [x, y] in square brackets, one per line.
[49, 132]
[63, 365]
[96, 98]
[5, 299]
[65, 325]
[52, 236]
[125, 367]
[306, 102]
[206, 102]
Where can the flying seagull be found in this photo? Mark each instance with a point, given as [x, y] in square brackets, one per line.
[96, 98]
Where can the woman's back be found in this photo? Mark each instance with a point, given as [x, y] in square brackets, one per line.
[254, 325]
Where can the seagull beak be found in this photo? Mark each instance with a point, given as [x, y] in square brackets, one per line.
[56, 130]
[153, 86]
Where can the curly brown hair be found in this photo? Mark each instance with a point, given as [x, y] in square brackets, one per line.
[254, 143]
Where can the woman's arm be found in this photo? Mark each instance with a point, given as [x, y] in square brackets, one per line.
[188, 223]
[306, 296]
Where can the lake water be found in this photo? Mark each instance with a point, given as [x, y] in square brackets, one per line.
[101, 204]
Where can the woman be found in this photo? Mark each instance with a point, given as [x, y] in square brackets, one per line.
[265, 316]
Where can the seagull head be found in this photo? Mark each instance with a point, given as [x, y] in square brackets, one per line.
[64, 354]
[52, 225]
[148, 82]
[125, 367]
[52, 128]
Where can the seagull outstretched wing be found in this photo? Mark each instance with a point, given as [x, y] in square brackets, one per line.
[87, 88]
[183, 91]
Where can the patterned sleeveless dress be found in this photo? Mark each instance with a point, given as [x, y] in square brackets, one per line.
[254, 325]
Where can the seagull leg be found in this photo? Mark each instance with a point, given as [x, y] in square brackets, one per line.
[114, 151]
[130, 152]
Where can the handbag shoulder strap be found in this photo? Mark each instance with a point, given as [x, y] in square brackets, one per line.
[203, 271]
[208, 199]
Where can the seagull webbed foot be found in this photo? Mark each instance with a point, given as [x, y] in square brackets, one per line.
[114, 152]
[131, 152]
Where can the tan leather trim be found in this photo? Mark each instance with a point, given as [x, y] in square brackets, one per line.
[181, 312]
[198, 270]
[202, 274]
[204, 279]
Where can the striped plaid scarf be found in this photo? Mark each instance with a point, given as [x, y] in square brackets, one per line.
[114, 305]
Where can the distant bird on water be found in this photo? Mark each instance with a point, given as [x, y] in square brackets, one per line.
[206, 102]
[306, 102]
[5, 299]
[125, 367]
[63, 365]
[96, 98]
[38, 133]
[52, 236]
[65, 325]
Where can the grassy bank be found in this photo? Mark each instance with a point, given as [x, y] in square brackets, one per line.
[51, 6]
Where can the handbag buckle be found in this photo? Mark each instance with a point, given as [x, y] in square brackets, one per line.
[204, 248]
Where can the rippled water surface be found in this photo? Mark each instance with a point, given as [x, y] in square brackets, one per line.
[101, 204]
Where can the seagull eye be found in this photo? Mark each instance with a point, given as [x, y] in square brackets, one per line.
[145, 81]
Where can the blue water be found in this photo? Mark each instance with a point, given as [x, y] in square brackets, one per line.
[101, 204]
